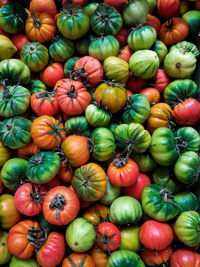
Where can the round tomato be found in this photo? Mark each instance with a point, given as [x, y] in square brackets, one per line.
[78, 259]
[152, 94]
[125, 258]
[102, 116]
[51, 74]
[130, 238]
[19, 40]
[185, 258]
[153, 21]
[161, 80]
[100, 257]
[155, 235]
[61, 205]
[144, 161]
[96, 214]
[168, 8]
[17, 262]
[135, 84]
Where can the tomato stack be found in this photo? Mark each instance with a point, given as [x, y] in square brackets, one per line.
[99, 133]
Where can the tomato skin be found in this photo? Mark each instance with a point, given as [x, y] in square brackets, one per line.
[26, 203]
[152, 95]
[122, 36]
[161, 80]
[124, 176]
[105, 231]
[78, 259]
[168, 8]
[65, 174]
[100, 257]
[153, 21]
[27, 151]
[187, 112]
[119, 5]
[52, 74]
[69, 209]
[136, 189]
[1, 186]
[17, 242]
[19, 40]
[135, 84]
[96, 213]
[155, 235]
[53, 250]
[185, 258]
[125, 53]
[47, 6]
[154, 258]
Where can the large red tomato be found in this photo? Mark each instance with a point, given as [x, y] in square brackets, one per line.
[108, 236]
[168, 8]
[27, 151]
[123, 172]
[51, 74]
[29, 198]
[185, 258]
[187, 113]
[61, 205]
[155, 235]
[136, 189]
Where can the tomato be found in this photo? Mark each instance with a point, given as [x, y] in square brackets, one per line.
[144, 161]
[187, 201]
[1, 186]
[122, 36]
[43, 167]
[78, 259]
[47, 132]
[187, 228]
[61, 205]
[136, 189]
[80, 235]
[19, 40]
[72, 97]
[47, 6]
[96, 214]
[17, 262]
[125, 258]
[5, 154]
[130, 238]
[155, 235]
[125, 210]
[28, 151]
[89, 182]
[118, 5]
[77, 125]
[102, 116]
[40, 27]
[125, 53]
[112, 192]
[108, 237]
[100, 257]
[135, 84]
[161, 80]
[153, 21]
[187, 112]
[52, 74]
[152, 95]
[29, 199]
[173, 31]
[18, 243]
[89, 9]
[69, 66]
[35, 86]
[123, 172]
[168, 9]
[52, 251]
[154, 258]
[185, 258]
[5, 254]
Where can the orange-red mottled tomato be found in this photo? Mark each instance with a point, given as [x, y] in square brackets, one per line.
[125, 53]
[27, 151]
[152, 94]
[153, 21]
[78, 259]
[154, 258]
[51, 74]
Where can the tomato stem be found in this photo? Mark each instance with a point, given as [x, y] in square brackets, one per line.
[57, 203]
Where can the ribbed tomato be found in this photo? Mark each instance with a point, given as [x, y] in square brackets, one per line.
[51, 74]
[152, 94]
[168, 8]
[153, 21]
[27, 151]
[125, 53]
[161, 80]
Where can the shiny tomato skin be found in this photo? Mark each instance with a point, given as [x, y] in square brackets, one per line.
[53, 250]
[161, 80]
[155, 235]
[152, 94]
[51, 74]
[187, 113]
[19, 40]
[185, 258]
[154, 258]
[136, 189]
[135, 84]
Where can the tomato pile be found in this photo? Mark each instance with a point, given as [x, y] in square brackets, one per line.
[99, 133]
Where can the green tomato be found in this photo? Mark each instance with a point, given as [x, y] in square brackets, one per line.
[14, 71]
[97, 116]
[161, 50]
[104, 144]
[158, 203]
[4, 253]
[144, 64]
[130, 238]
[179, 64]
[152, 5]
[103, 47]
[17, 262]
[69, 66]
[125, 210]
[187, 168]
[15, 132]
[43, 167]
[112, 192]
[144, 161]
[187, 228]
[77, 125]
[186, 46]
[136, 110]
[36, 86]
[62, 49]
[13, 173]
[187, 201]
[124, 258]
[90, 9]
[142, 38]
[73, 22]
[82, 45]
[192, 18]
[80, 235]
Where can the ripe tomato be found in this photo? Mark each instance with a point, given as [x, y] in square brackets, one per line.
[155, 235]
[65, 173]
[61, 205]
[187, 113]
[135, 84]
[123, 172]
[119, 4]
[78, 259]
[153, 21]
[168, 8]
[52, 183]
[185, 258]
[108, 236]
[136, 189]
[152, 95]
[27, 151]
[100, 257]
[161, 80]
[19, 40]
[125, 53]
[29, 198]
[51, 74]
[96, 214]
[122, 36]
[155, 258]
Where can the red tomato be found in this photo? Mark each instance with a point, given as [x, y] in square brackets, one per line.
[108, 236]
[19, 40]
[185, 258]
[155, 235]
[152, 94]
[54, 182]
[187, 113]
[135, 84]
[122, 36]
[129, 93]
[136, 189]
[125, 53]
[61, 205]
[161, 80]
[122, 172]
[65, 173]
[28, 151]
[119, 4]
[51, 74]
[168, 8]
[29, 198]
[53, 250]
[3, 2]
[154, 258]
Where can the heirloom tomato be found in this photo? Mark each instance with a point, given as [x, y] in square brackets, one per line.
[135, 12]
[168, 8]
[5, 154]
[5, 254]
[35, 86]
[144, 161]
[112, 192]
[152, 94]
[161, 50]
[130, 238]
[78, 259]
[51, 74]
[155, 258]
[19, 40]
[28, 151]
[161, 80]
[153, 21]
[17, 262]
[99, 256]
[96, 214]
[185, 258]
[125, 258]
[48, 6]
[102, 116]
[187, 201]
